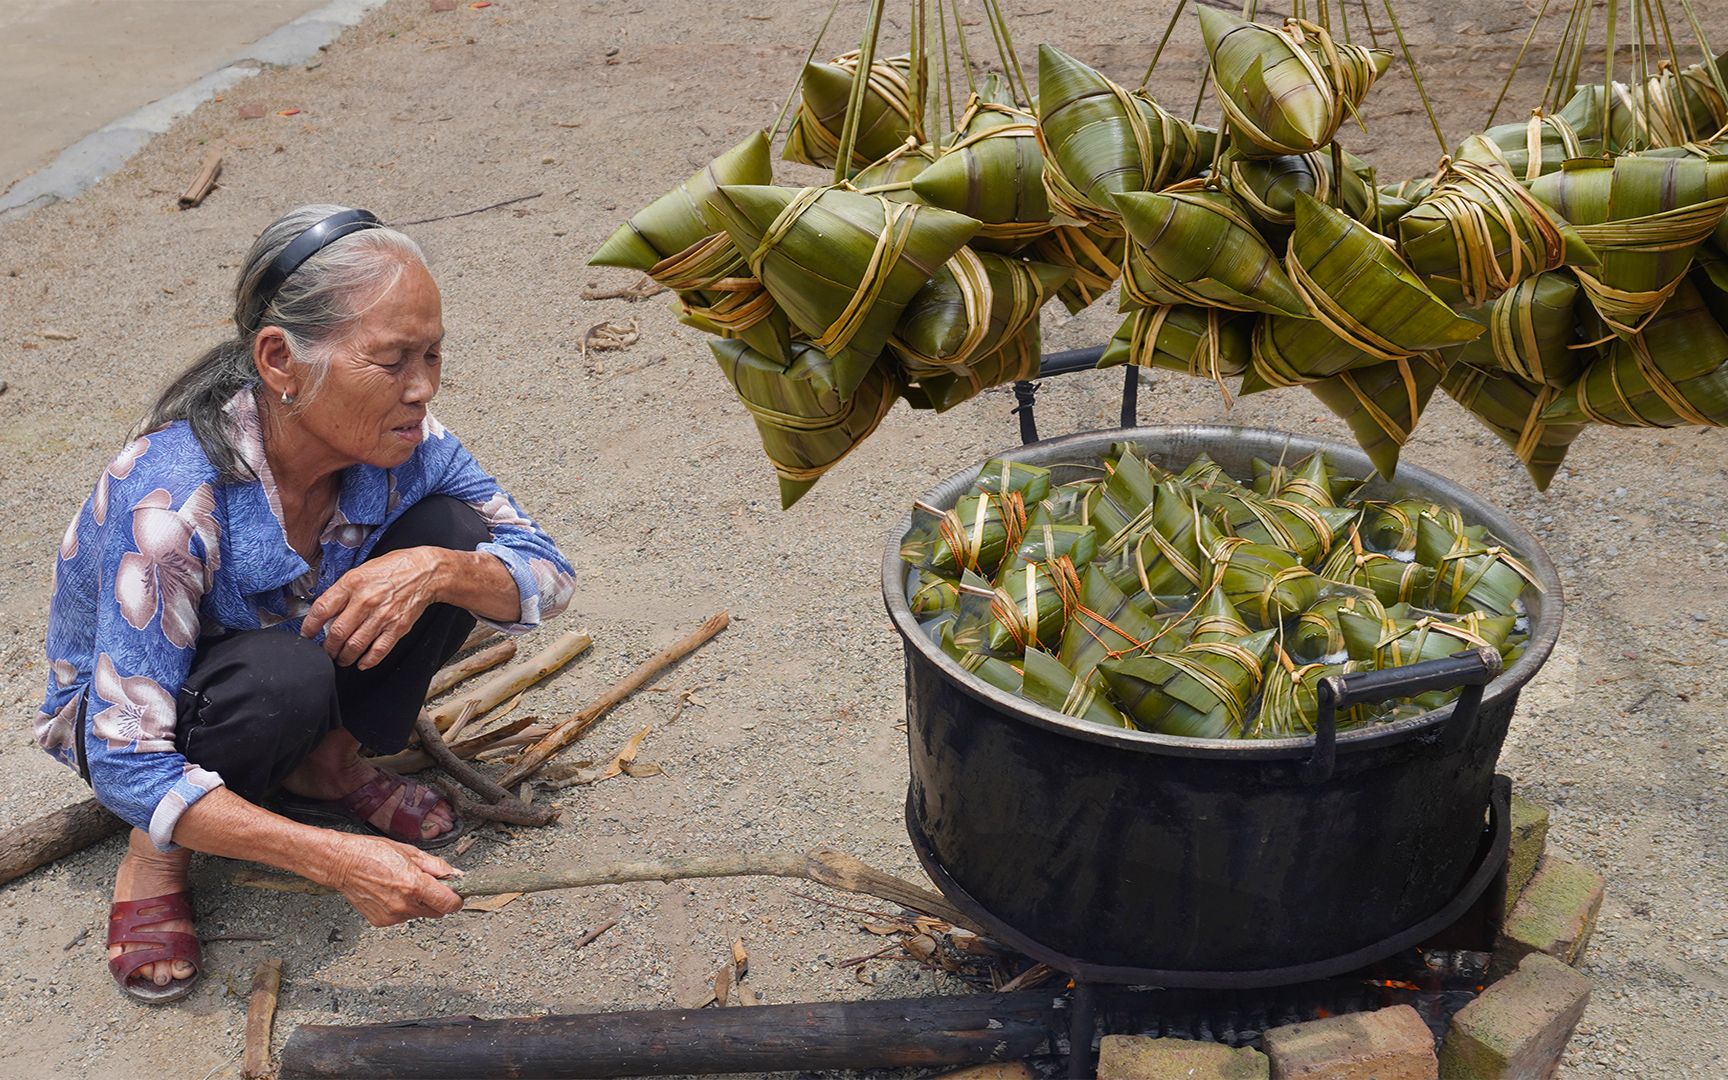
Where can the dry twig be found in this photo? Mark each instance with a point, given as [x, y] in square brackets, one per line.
[642, 289]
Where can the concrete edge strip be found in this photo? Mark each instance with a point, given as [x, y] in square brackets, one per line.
[104, 151]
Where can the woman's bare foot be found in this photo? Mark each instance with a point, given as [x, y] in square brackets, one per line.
[336, 768]
[146, 872]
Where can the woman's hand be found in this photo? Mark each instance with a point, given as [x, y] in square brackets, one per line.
[390, 883]
[371, 607]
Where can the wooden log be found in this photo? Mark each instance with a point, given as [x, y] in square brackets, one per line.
[895, 1033]
[834, 869]
[41, 840]
[260, 1018]
[516, 678]
[468, 667]
[204, 182]
[568, 731]
[480, 635]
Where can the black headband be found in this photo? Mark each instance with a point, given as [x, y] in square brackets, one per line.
[308, 244]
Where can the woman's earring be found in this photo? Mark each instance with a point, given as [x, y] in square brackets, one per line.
[287, 398]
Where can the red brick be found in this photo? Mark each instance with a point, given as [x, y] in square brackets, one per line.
[1131, 1057]
[1388, 1044]
[1555, 915]
[1519, 1027]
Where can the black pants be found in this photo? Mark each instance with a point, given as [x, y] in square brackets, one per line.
[257, 702]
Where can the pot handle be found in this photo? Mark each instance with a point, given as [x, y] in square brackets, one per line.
[1468, 672]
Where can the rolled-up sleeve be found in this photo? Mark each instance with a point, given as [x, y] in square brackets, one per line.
[157, 556]
[544, 579]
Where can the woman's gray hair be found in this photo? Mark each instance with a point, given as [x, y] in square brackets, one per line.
[314, 308]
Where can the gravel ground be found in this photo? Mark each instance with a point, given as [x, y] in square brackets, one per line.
[650, 475]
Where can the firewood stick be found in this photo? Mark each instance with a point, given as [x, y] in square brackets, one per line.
[834, 869]
[261, 1017]
[513, 812]
[480, 635]
[571, 729]
[516, 678]
[54, 835]
[202, 184]
[413, 760]
[484, 660]
[469, 710]
[472, 779]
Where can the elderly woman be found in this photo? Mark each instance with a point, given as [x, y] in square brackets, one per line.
[265, 582]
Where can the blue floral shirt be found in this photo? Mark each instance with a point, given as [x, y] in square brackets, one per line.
[163, 553]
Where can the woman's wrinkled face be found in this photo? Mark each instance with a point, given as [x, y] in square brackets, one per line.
[372, 401]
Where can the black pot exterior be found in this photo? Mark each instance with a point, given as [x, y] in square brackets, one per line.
[1136, 850]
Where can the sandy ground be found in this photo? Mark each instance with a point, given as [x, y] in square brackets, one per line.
[650, 475]
[80, 64]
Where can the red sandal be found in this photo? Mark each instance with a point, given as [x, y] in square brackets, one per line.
[125, 921]
[360, 804]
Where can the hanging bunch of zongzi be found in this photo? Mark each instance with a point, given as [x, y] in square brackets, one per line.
[992, 170]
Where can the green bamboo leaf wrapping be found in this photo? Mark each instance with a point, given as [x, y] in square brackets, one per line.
[675, 220]
[1294, 352]
[976, 534]
[1536, 146]
[1399, 640]
[933, 594]
[1310, 481]
[1356, 284]
[885, 121]
[1290, 699]
[993, 670]
[1124, 497]
[1202, 690]
[1512, 408]
[1099, 139]
[1198, 246]
[1105, 625]
[842, 265]
[1049, 683]
[1285, 90]
[974, 305]
[1156, 552]
[1381, 404]
[1472, 575]
[893, 176]
[1644, 217]
[673, 241]
[1318, 635]
[1305, 531]
[1532, 332]
[1392, 581]
[1033, 603]
[1266, 584]
[992, 169]
[1673, 373]
[1197, 341]
[1045, 541]
[805, 426]
[1390, 527]
[1479, 232]
[1094, 254]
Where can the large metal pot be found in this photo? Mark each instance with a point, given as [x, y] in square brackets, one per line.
[1133, 850]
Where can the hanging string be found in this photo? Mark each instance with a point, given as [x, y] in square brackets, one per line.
[1517, 62]
[860, 82]
[1416, 74]
[1703, 41]
[1169, 28]
[1368, 17]
[1643, 69]
[1005, 49]
[1686, 125]
[1343, 19]
[798, 83]
[919, 80]
[1578, 49]
[1552, 95]
[1608, 79]
[965, 51]
[947, 68]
